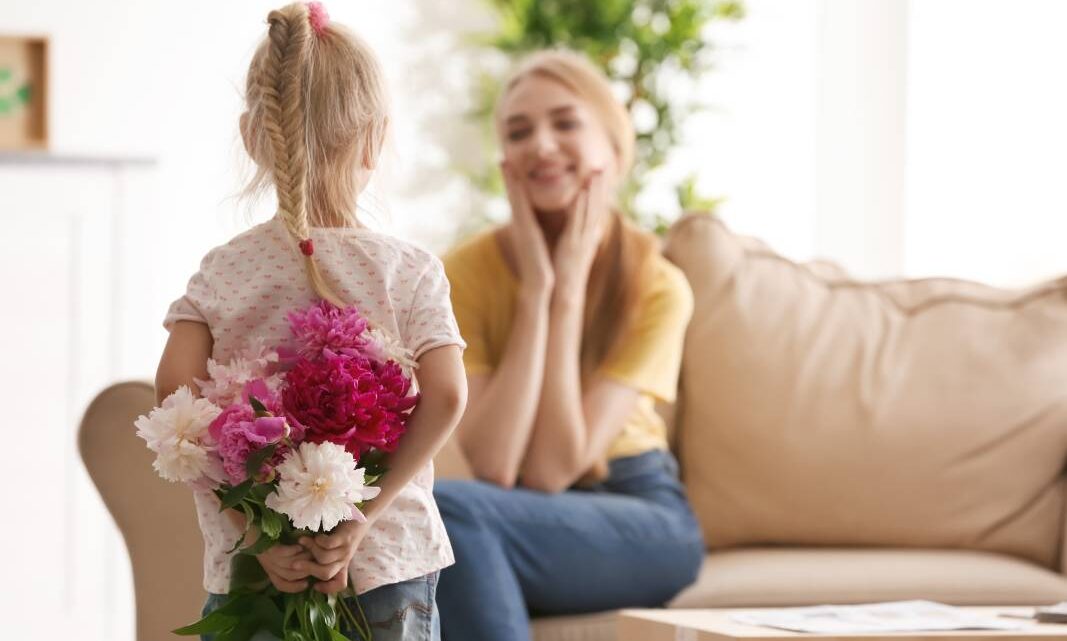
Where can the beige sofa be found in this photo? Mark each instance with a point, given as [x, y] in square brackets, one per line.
[841, 442]
[846, 442]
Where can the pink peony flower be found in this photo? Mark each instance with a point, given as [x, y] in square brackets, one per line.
[325, 326]
[238, 432]
[350, 400]
[226, 381]
[382, 346]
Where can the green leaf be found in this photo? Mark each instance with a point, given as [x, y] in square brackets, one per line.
[329, 613]
[373, 463]
[291, 603]
[261, 491]
[337, 636]
[318, 620]
[249, 520]
[257, 458]
[247, 574]
[271, 524]
[259, 408]
[235, 495]
[214, 622]
[234, 607]
[261, 545]
[266, 611]
[244, 631]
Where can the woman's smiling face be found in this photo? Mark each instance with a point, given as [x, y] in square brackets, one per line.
[552, 141]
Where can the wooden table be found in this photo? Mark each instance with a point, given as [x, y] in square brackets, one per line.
[716, 625]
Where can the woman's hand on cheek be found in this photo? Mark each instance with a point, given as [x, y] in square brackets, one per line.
[527, 240]
[578, 245]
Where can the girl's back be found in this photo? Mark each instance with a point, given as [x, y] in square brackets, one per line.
[245, 288]
[243, 292]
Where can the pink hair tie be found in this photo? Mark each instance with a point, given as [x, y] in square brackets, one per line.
[307, 247]
[318, 18]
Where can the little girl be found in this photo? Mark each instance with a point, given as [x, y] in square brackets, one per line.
[314, 125]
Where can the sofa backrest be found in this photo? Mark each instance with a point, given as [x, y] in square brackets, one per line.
[819, 410]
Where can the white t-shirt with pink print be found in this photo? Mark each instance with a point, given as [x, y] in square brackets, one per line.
[244, 290]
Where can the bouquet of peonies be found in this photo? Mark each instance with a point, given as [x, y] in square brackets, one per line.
[294, 439]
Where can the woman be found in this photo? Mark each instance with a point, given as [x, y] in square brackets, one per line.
[574, 324]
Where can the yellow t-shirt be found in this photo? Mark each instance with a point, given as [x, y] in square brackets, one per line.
[649, 355]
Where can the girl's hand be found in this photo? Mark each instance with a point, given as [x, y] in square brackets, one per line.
[331, 555]
[527, 240]
[281, 563]
[578, 244]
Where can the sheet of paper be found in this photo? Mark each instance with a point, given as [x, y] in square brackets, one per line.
[898, 616]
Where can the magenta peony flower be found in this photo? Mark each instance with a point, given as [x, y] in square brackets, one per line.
[325, 326]
[350, 400]
[238, 431]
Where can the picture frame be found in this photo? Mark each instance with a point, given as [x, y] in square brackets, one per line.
[23, 92]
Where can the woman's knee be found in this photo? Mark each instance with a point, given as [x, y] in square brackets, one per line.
[467, 503]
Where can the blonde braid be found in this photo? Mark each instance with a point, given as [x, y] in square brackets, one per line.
[281, 84]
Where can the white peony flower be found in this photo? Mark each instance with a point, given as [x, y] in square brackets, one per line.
[225, 382]
[177, 432]
[319, 485]
[383, 346]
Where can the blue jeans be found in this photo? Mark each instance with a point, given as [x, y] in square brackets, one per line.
[403, 611]
[631, 541]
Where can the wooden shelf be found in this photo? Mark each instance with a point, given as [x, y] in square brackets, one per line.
[31, 158]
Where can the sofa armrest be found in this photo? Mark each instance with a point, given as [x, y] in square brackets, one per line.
[1063, 528]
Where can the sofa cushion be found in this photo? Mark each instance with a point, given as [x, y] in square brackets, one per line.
[818, 410]
[796, 576]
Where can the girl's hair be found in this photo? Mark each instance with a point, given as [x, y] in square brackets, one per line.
[618, 274]
[316, 114]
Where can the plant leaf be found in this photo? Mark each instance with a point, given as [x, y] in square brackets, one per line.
[249, 519]
[247, 574]
[261, 491]
[270, 617]
[271, 524]
[259, 408]
[290, 609]
[261, 545]
[214, 622]
[235, 495]
[373, 463]
[318, 622]
[257, 458]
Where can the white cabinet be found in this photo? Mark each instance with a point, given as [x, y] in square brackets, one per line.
[75, 264]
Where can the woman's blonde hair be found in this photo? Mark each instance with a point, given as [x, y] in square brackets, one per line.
[618, 275]
[316, 114]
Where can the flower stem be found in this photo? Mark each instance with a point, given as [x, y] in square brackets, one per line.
[362, 626]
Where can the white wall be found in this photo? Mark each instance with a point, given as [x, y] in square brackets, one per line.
[898, 138]
[756, 145]
[987, 149]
